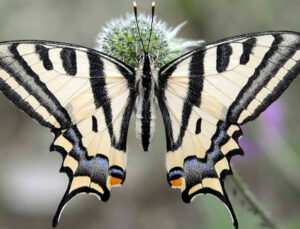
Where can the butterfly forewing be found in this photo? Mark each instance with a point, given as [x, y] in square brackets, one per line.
[85, 97]
[206, 94]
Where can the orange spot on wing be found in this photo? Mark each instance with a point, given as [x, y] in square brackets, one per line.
[115, 181]
[177, 182]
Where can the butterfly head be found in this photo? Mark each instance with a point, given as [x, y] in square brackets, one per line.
[148, 63]
[146, 58]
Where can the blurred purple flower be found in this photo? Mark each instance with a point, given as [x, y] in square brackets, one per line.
[273, 116]
[272, 122]
[250, 146]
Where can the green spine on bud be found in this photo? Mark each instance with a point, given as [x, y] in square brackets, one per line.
[121, 40]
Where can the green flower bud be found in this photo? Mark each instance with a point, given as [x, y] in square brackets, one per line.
[120, 39]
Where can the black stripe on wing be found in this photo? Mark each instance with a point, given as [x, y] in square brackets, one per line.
[248, 45]
[97, 82]
[68, 57]
[272, 62]
[23, 74]
[20, 103]
[223, 57]
[193, 98]
[44, 56]
[102, 99]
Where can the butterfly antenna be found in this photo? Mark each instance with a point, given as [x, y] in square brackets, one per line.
[153, 11]
[137, 24]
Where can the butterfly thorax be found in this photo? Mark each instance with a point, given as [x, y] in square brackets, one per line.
[145, 103]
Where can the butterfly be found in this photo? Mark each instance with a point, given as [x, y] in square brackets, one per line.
[86, 99]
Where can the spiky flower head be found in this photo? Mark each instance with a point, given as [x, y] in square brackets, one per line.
[120, 39]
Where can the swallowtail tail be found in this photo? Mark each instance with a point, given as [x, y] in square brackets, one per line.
[86, 98]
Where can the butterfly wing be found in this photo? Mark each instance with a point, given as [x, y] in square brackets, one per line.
[207, 94]
[86, 99]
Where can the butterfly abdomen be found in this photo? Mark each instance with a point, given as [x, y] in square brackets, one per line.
[145, 106]
[145, 123]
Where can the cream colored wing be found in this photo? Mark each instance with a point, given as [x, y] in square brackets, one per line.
[206, 94]
[86, 99]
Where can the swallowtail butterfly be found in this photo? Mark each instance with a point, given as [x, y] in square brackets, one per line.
[86, 98]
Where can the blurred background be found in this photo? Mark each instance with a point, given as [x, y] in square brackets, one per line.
[31, 187]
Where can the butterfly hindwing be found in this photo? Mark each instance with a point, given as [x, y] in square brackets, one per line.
[206, 94]
[85, 97]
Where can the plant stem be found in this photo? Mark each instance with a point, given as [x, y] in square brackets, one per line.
[252, 201]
